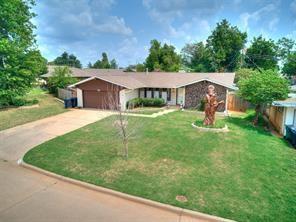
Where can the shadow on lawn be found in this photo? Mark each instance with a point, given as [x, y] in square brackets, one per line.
[246, 123]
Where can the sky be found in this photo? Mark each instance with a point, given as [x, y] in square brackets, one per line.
[124, 28]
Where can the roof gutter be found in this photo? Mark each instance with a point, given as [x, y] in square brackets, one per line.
[209, 80]
[96, 77]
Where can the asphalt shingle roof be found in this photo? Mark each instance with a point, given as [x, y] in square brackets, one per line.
[133, 80]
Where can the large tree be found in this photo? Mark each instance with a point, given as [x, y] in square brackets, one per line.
[104, 63]
[61, 78]
[262, 54]
[113, 64]
[243, 73]
[285, 47]
[263, 88]
[225, 44]
[67, 60]
[162, 58]
[289, 68]
[197, 57]
[20, 61]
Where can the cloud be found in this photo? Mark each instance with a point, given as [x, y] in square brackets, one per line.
[131, 51]
[78, 27]
[273, 23]
[76, 20]
[266, 14]
[114, 25]
[293, 6]
[167, 12]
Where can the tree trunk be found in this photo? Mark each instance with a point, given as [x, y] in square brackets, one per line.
[257, 112]
[125, 144]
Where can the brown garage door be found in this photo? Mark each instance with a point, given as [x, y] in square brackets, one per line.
[99, 100]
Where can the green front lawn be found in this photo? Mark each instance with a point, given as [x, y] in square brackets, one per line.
[48, 106]
[219, 123]
[147, 110]
[245, 174]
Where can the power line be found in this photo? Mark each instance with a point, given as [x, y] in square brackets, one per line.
[254, 63]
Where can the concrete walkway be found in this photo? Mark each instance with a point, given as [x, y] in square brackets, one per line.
[153, 115]
[29, 196]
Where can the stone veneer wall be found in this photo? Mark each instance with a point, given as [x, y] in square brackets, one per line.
[196, 92]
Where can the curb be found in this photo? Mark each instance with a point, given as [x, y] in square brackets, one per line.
[177, 210]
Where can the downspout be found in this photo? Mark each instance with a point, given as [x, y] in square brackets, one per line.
[284, 122]
[226, 104]
[177, 96]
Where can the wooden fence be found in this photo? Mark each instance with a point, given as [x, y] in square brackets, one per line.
[235, 103]
[64, 94]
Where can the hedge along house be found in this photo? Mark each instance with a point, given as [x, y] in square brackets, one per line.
[187, 89]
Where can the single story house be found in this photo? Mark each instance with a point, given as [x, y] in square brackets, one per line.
[81, 74]
[282, 113]
[187, 89]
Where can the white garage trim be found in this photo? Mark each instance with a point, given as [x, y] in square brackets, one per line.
[79, 98]
[127, 94]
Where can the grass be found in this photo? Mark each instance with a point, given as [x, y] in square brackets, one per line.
[147, 110]
[245, 175]
[48, 106]
[219, 124]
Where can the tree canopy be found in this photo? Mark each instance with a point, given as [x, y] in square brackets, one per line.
[225, 44]
[104, 63]
[67, 60]
[263, 88]
[243, 73]
[162, 58]
[285, 47]
[262, 54]
[197, 57]
[289, 68]
[113, 64]
[20, 61]
[61, 78]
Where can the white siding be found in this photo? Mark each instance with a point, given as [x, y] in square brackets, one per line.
[288, 118]
[79, 98]
[142, 93]
[126, 95]
[181, 96]
[164, 96]
[173, 97]
[156, 94]
[148, 94]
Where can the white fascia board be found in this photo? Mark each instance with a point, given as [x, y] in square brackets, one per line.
[209, 80]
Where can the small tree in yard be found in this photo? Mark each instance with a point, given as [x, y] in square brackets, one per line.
[263, 88]
[125, 126]
[61, 78]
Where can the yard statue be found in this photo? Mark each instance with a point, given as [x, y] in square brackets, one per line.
[211, 106]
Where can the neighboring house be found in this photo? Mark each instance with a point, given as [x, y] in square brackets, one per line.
[188, 89]
[282, 113]
[81, 74]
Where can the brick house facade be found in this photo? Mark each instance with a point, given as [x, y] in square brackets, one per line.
[195, 93]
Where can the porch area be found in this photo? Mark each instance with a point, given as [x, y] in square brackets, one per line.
[171, 96]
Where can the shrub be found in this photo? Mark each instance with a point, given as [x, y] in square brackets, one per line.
[201, 106]
[61, 78]
[18, 101]
[154, 102]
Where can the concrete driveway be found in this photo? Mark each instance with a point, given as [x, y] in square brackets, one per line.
[15, 142]
[29, 196]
